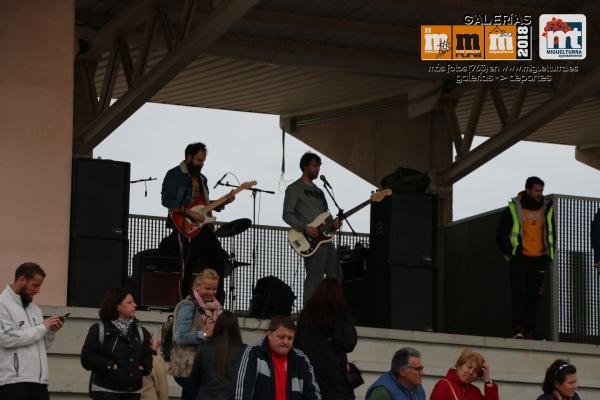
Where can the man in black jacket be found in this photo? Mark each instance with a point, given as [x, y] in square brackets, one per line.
[273, 370]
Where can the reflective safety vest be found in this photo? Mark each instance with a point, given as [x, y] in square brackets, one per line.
[516, 211]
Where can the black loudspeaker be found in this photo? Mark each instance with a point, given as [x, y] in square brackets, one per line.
[100, 198]
[400, 297]
[400, 277]
[402, 229]
[353, 263]
[99, 217]
[95, 266]
[155, 279]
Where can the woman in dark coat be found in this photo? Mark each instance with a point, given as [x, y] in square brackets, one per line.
[326, 333]
[560, 382]
[213, 368]
[120, 358]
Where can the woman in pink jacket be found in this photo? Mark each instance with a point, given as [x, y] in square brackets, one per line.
[458, 382]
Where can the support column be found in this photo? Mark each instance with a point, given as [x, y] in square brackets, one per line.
[36, 110]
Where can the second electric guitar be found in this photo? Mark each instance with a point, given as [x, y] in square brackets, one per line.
[306, 245]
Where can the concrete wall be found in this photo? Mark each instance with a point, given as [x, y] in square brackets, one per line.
[518, 366]
[36, 103]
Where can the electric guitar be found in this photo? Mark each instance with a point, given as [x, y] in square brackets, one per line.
[306, 245]
[190, 228]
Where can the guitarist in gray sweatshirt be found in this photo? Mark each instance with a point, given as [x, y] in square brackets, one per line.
[304, 201]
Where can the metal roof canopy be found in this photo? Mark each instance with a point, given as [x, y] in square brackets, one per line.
[295, 58]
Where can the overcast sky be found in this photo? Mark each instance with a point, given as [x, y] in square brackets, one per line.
[249, 146]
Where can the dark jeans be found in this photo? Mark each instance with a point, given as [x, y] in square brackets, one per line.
[115, 396]
[527, 276]
[24, 391]
[202, 251]
[189, 391]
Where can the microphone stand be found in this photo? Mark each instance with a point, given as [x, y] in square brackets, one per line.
[254, 191]
[340, 211]
[145, 184]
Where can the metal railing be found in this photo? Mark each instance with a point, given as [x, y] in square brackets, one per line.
[264, 247]
[570, 310]
[576, 294]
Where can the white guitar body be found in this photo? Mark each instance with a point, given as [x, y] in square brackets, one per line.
[196, 224]
[305, 245]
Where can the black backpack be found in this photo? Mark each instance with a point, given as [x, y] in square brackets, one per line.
[166, 332]
[166, 338]
[271, 296]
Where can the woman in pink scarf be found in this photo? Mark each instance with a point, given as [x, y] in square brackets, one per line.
[194, 321]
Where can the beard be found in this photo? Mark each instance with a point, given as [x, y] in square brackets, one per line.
[194, 169]
[25, 299]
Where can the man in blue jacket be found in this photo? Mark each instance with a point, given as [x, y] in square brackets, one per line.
[403, 381]
[183, 185]
[273, 370]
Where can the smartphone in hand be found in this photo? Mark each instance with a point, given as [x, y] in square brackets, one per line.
[63, 317]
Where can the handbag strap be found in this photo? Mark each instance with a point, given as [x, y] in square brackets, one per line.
[451, 388]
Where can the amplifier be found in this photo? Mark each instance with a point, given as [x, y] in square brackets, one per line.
[155, 279]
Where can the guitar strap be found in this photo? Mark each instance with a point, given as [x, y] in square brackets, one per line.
[451, 388]
[204, 188]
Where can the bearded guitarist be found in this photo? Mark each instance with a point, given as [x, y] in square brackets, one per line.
[303, 202]
[183, 186]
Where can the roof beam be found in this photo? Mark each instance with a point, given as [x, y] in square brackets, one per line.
[512, 133]
[469, 5]
[228, 13]
[467, 141]
[302, 54]
[331, 24]
[136, 12]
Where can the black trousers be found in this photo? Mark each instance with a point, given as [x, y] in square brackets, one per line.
[202, 251]
[527, 276]
[24, 391]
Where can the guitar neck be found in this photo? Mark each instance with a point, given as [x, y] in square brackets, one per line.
[221, 200]
[357, 208]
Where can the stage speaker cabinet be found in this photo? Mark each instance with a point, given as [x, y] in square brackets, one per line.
[98, 242]
[353, 263]
[403, 229]
[155, 279]
[100, 198]
[95, 265]
[400, 297]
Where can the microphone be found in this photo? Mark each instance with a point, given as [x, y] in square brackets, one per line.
[325, 181]
[220, 180]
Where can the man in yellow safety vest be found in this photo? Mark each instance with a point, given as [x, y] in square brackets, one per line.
[526, 235]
